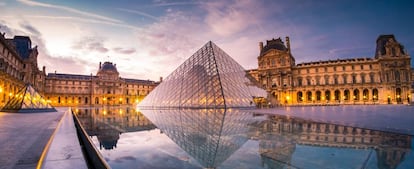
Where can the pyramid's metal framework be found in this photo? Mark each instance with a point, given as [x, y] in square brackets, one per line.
[208, 79]
[27, 100]
[209, 135]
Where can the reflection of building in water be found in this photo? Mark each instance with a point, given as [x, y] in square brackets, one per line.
[209, 135]
[107, 124]
[279, 136]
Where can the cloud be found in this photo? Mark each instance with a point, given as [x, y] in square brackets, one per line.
[139, 13]
[176, 3]
[68, 9]
[78, 19]
[26, 26]
[230, 17]
[90, 44]
[2, 3]
[124, 51]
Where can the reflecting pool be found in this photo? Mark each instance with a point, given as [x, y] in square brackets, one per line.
[238, 138]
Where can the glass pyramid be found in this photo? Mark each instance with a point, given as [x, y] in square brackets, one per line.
[210, 136]
[27, 100]
[210, 78]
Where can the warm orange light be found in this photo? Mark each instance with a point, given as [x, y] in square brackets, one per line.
[389, 96]
[104, 112]
[1, 90]
[120, 111]
[287, 97]
[120, 99]
[398, 96]
[104, 99]
[11, 94]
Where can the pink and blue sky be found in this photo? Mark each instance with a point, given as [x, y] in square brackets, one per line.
[150, 38]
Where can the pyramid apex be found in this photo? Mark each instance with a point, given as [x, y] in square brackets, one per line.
[210, 78]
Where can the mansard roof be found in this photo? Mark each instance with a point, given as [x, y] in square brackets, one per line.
[338, 61]
[108, 66]
[69, 76]
[274, 44]
[89, 77]
[138, 81]
[382, 41]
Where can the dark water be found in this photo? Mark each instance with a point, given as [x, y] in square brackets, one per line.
[235, 138]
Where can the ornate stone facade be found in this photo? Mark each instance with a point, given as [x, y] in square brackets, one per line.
[106, 88]
[18, 66]
[385, 79]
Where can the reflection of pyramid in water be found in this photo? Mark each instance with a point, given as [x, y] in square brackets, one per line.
[27, 100]
[209, 135]
[208, 79]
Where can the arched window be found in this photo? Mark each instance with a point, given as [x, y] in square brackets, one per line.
[318, 95]
[374, 94]
[346, 95]
[328, 95]
[398, 94]
[356, 94]
[300, 96]
[309, 96]
[365, 94]
[96, 100]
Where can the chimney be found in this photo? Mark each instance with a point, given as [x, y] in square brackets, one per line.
[288, 43]
[100, 64]
[261, 46]
[160, 79]
[44, 69]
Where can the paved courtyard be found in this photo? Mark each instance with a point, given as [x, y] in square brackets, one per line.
[23, 137]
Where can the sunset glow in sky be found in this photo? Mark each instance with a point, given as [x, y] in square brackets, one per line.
[149, 39]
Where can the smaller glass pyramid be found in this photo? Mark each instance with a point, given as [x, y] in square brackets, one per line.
[27, 100]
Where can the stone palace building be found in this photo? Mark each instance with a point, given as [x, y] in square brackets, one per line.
[387, 78]
[18, 67]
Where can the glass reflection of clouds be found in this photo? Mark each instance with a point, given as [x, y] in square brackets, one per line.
[237, 138]
[208, 135]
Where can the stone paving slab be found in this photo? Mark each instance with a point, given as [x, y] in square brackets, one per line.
[65, 151]
[23, 137]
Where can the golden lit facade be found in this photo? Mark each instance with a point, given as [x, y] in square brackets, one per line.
[385, 79]
[18, 66]
[106, 88]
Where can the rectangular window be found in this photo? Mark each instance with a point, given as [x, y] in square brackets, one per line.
[362, 67]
